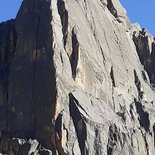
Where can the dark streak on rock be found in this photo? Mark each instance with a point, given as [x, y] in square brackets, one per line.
[112, 77]
[64, 19]
[112, 9]
[75, 53]
[143, 116]
[138, 85]
[79, 124]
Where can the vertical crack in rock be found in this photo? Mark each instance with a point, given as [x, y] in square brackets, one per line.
[79, 124]
[8, 40]
[131, 112]
[113, 85]
[97, 142]
[75, 53]
[119, 43]
[112, 77]
[144, 76]
[58, 134]
[111, 8]
[58, 126]
[153, 62]
[143, 116]
[102, 52]
[85, 5]
[154, 133]
[138, 85]
[61, 57]
[146, 143]
[115, 138]
[64, 19]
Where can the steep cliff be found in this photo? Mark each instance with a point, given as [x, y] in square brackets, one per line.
[76, 78]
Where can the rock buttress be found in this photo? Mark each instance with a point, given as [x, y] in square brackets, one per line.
[31, 82]
[73, 80]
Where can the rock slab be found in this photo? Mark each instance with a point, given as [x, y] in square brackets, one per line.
[76, 78]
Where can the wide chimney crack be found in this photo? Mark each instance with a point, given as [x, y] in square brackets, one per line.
[64, 19]
[111, 8]
[75, 53]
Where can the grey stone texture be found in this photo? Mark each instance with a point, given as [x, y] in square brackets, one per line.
[76, 78]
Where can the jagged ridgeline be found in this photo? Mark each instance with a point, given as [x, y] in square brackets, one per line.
[76, 78]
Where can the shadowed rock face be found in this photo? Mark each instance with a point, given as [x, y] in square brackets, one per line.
[32, 85]
[28, 84]
[76, 79]
[145, 46]
[8, 40]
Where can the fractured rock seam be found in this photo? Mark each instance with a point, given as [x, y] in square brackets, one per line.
[79, 124]
[111, 8]
[64, 19]
[75, 53]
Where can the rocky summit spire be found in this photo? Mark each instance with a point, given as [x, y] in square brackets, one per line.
[76, 78]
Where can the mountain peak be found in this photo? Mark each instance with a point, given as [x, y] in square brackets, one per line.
[77, 78]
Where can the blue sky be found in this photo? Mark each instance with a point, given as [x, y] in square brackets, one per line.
[141, 11]
[8, 9]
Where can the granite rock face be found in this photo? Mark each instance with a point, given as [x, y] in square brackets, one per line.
[76, 78]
